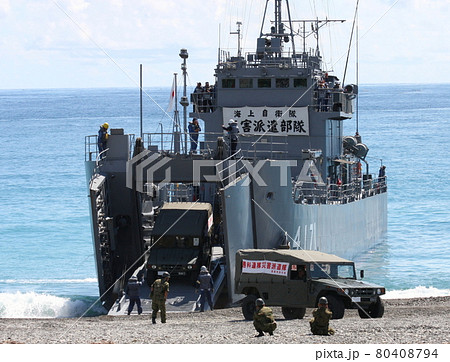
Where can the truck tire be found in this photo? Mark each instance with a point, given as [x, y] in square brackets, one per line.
[293, 313]
[337, 306]
[248, 306]
[376, 310]
[363, 313]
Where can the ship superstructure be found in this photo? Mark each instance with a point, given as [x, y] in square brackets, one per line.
[272, 161]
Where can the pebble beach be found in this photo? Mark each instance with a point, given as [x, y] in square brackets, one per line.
[406, 321]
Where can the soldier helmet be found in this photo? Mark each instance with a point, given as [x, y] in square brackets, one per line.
[259, 302]
[166, 275]
[203, 269]
[323, 300]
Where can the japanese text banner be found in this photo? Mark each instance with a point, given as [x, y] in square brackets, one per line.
[265, 267]
[273, 121]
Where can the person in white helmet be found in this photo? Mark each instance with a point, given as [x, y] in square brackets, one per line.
[206, 287]
[233, 131]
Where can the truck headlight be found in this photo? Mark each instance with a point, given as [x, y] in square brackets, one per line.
[189, 267]
[347, 291]
[378, 291]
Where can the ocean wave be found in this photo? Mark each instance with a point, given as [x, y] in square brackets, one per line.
[417, 292]
[35, 305]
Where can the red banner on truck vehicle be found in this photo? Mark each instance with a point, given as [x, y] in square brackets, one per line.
[265, 267]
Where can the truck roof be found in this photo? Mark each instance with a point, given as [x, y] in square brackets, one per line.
[182, 219]
[195, 206]
[289, 255]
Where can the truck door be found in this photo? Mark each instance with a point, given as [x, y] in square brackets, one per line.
[297, 293]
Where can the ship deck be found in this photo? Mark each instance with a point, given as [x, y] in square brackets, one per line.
[182, 295]
[182, 298]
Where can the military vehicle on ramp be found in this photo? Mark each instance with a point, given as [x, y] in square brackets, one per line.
[180, 240]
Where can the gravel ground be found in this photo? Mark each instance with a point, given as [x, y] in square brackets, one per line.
[406, 321]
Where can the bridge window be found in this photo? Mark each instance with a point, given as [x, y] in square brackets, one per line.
[264, 83]
[246, 83]
[228, 83]
[282, 82]
[300, 82]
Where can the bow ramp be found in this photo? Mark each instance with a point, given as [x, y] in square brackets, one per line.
[182, 296]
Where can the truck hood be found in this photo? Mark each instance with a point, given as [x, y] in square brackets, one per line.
[173, 256]
[346, 283]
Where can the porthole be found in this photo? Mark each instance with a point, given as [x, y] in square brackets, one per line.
[269, 196]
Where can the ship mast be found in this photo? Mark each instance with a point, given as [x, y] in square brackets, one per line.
[238, 33]
[278, 30]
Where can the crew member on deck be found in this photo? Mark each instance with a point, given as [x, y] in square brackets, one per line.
[102, 137]
[194, 129]
[198, 98]
[233, 133]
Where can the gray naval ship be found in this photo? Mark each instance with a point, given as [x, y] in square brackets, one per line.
[272, 169]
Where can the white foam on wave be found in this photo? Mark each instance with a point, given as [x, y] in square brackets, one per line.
[34, 305]
[417, 292]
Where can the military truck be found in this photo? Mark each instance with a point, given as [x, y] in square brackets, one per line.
[297, 279]
[180, 240]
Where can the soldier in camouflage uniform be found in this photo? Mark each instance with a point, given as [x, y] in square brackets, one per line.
[263, 319]
[320, 323]
[159, 292]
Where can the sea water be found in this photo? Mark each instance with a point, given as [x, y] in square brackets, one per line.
[47, 265]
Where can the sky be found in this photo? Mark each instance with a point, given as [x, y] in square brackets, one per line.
[99, 43]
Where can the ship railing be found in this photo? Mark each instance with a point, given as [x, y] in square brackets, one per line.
[332, 100]
[203, 102]
[252, 148]
[166, 142]
[91, 152]
[273, 147]
[91, 147]
[274, 59]
[176, 192]
[333, 193]
[230, 168]
[374, 186]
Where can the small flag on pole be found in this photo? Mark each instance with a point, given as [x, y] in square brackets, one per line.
[172, 95]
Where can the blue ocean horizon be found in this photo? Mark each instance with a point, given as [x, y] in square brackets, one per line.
[47, 265]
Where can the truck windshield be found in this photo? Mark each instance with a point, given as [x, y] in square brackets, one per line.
[334, 271]
[179, 242]
[346, 271]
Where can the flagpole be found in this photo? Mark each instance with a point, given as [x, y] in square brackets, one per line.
[141, 97]
[184, 101]
[177, 133]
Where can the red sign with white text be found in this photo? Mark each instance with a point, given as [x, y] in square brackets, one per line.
[265, 267]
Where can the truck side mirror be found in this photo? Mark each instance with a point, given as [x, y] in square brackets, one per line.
[361, 273]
